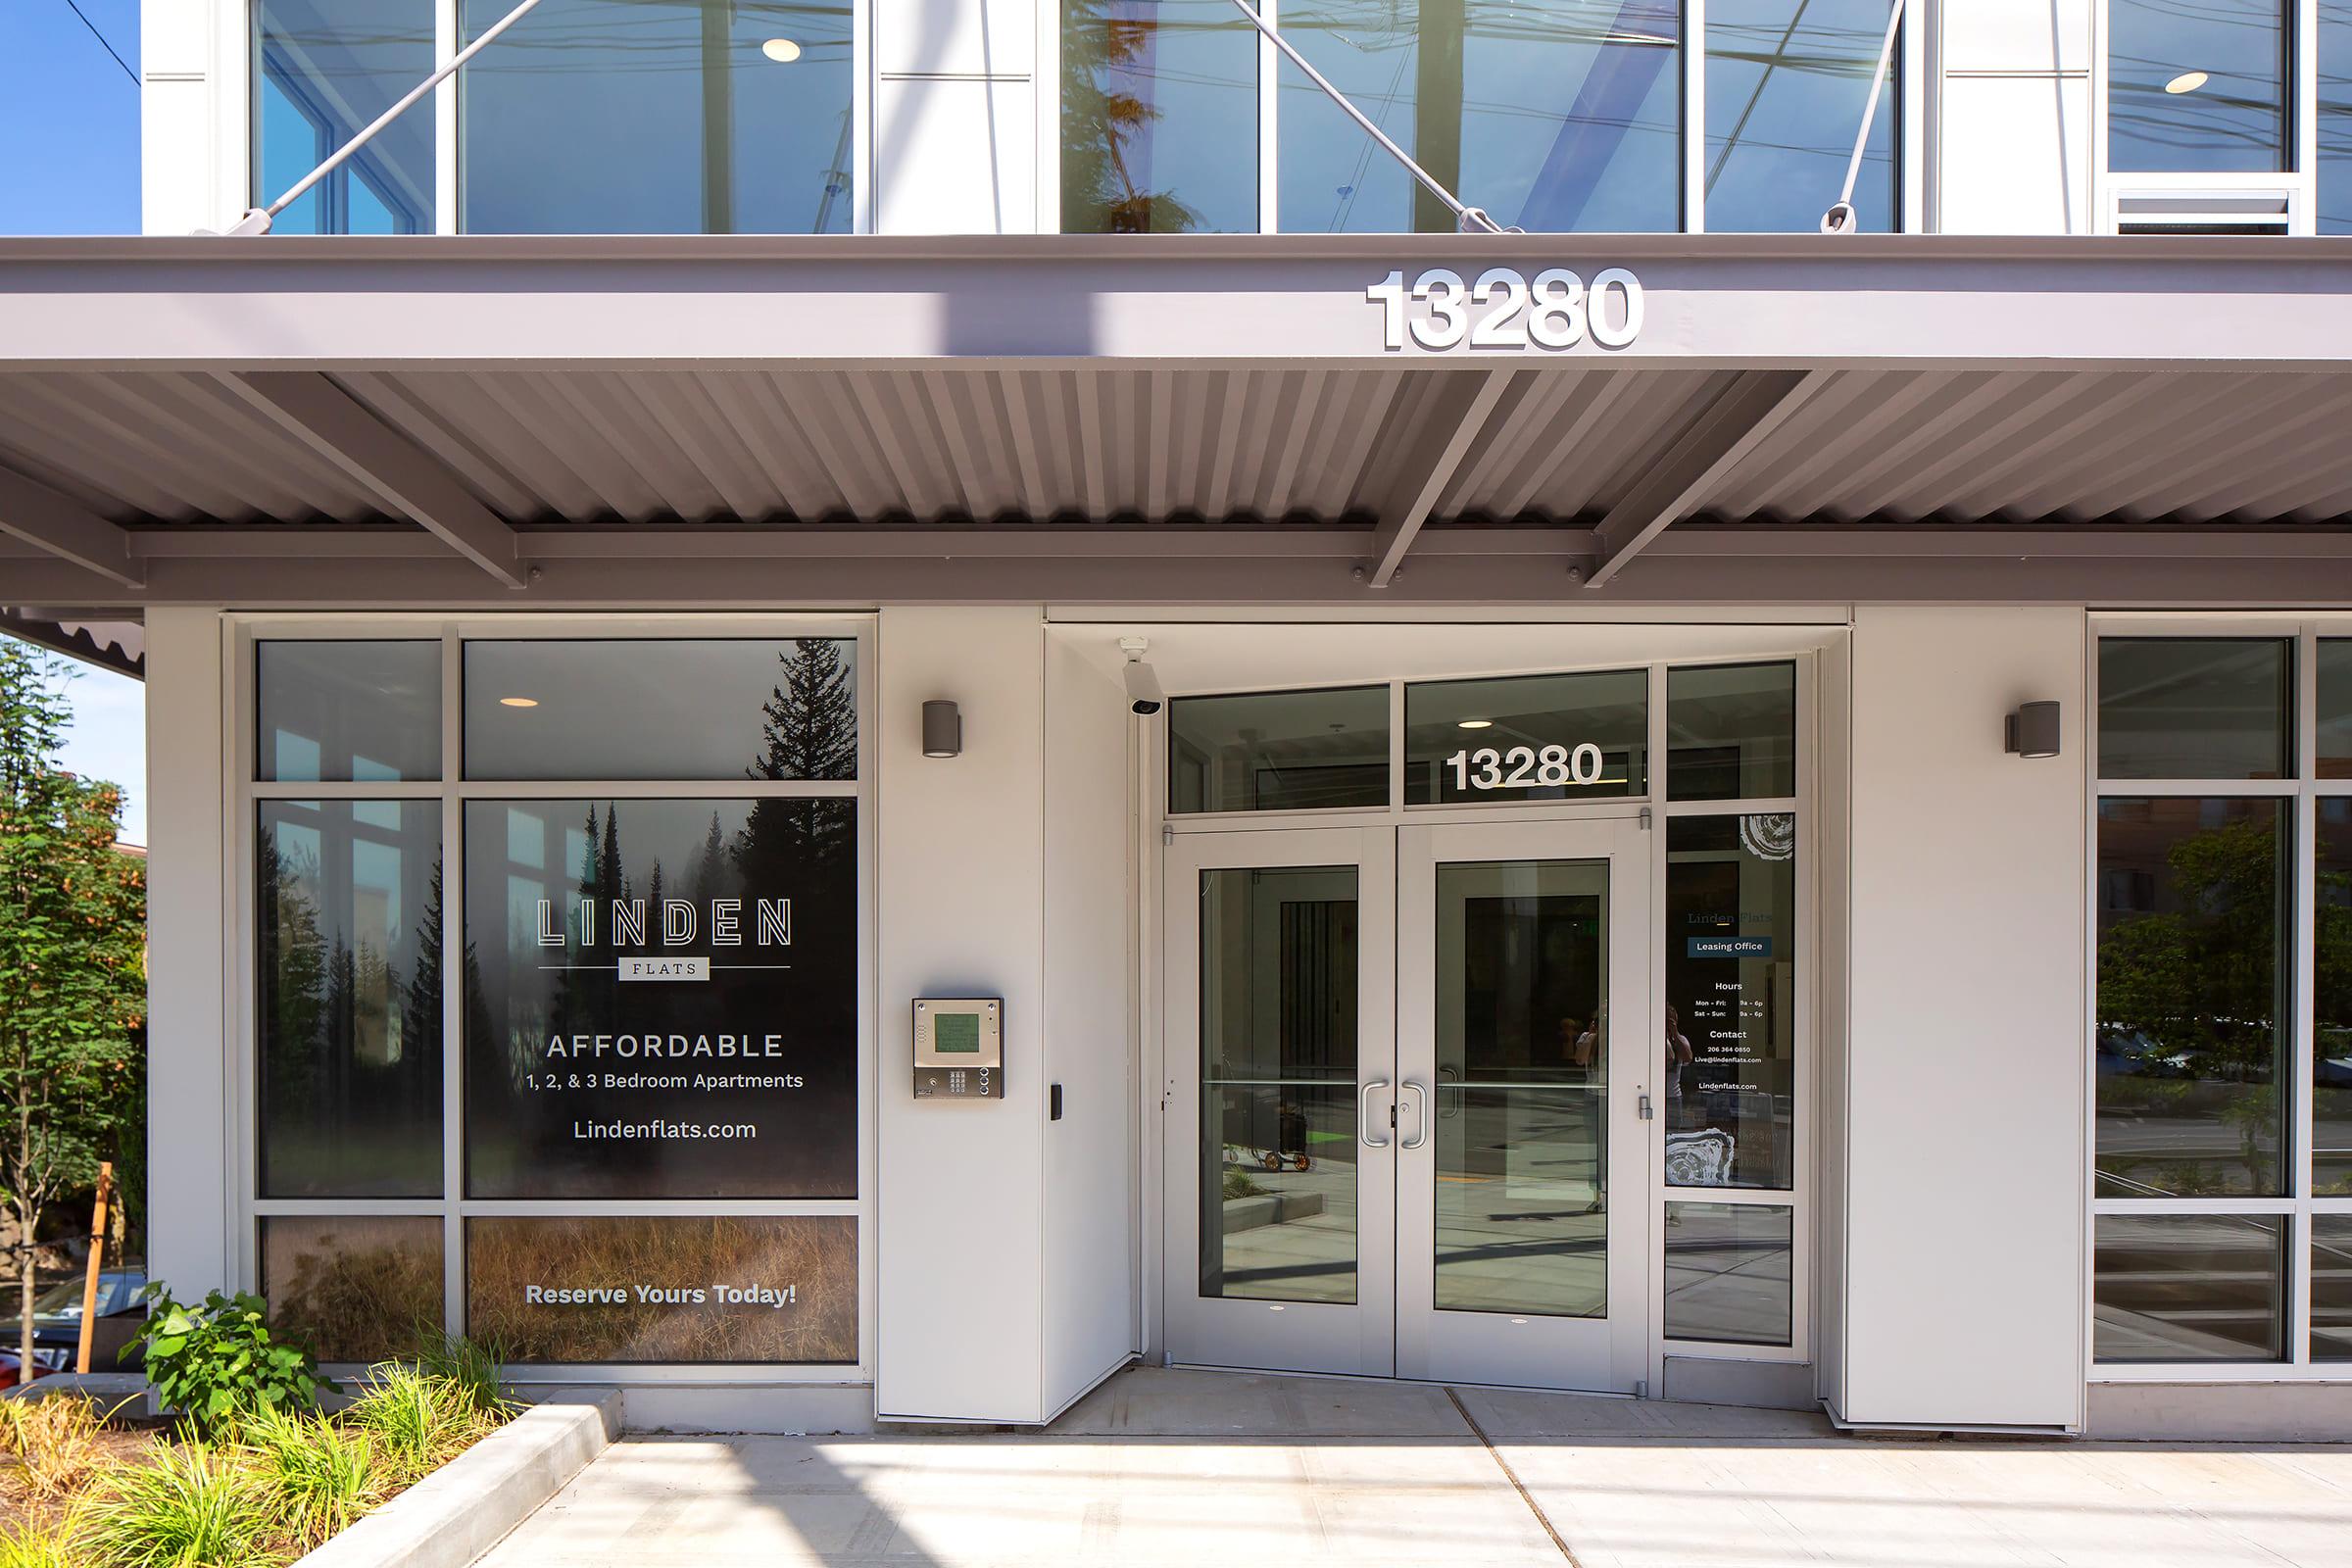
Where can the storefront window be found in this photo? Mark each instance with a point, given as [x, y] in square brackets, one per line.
[2336, 707]
[616, 1290]
[2331, 1288]
[1729, 1054]
[1730, 732]
[1788, 83]
[2331, 1000]
[2335, 45]
[2188, 708]
[2189, 1288]
[1158, 118]
[724, 709]
[1279, 750]
[2197, 88]
[353, 1287]
[1527, 738]
[322, 71]
[1561, 115]
[2191, 990]
[657, 116]
[1728, 1272]
[347, 897]
[348, 712]
[663, 998]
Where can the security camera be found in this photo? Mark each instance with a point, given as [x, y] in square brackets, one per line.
[1144, 696]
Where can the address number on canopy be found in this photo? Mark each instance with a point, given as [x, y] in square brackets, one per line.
[1505, 308]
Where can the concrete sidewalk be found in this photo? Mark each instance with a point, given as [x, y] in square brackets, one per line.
[1201, 1469]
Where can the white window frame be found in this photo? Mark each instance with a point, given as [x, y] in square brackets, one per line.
[1806, 1144]
[2300, 1206]
[233, 48]
[2222, 195]
[241, 1043]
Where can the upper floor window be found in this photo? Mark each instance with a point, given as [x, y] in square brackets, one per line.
[1553, 116]
[2335, 53]
[657, 116]
[323, 69]
[2197, 88]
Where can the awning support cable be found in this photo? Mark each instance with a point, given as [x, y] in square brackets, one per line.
[1841, 218]
[1470, 220]
[260, 220]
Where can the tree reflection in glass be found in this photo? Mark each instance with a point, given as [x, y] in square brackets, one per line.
[2191, 986]
[1158, 118]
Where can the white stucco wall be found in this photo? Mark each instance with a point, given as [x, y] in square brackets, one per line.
[1962, 1143]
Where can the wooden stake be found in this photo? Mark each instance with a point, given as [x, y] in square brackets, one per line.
[89, 1289]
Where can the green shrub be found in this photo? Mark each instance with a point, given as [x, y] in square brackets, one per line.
[32, 1545]
[416, 1420]
[218, 1361]
[192, 1507]
[318, 1476]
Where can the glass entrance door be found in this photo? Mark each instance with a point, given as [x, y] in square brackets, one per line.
[1405, 1069]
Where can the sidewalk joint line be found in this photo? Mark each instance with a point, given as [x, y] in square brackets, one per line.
[1512, 1476]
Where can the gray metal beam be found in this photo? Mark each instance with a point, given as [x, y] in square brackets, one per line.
[1452, 427]
[1740, 418]
[331, 422]
[58, 525]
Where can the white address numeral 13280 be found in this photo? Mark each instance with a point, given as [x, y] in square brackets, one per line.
[1503, 310]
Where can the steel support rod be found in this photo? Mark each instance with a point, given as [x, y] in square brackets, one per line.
[1841, 218]
[1472, 219]
[260, 220]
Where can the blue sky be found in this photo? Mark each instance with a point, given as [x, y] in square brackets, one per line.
[69, 165]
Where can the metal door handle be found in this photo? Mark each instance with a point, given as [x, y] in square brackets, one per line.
[1363, 1115]
[1421, 1116]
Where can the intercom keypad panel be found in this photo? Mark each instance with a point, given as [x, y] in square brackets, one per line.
[959, 1048]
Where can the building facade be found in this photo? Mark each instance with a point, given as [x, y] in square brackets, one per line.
[858, 710]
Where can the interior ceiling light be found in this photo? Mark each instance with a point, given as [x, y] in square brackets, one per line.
[1476, 723]
[783, 51]
[2187, 82]
[519, 701]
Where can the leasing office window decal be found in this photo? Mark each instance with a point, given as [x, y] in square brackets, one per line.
[665, 999]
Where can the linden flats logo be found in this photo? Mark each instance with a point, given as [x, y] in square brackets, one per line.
[669, 923]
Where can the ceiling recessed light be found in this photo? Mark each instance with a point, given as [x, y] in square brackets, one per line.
[783, 51]
[1476, 723]
[519, 701]
[2187, 82]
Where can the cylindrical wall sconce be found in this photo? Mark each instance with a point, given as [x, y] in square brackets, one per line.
[943, 728]
[2033, 730]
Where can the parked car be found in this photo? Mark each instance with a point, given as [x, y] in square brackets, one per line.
[57, 1324]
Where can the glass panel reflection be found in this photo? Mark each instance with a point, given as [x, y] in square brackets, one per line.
[1788, 82]
[1556, 115]
[2194, 708]
[1278, 1092]
[695, 1289]
[661, 998]
[347, 713]
[2332, 1000]
[2193, 981]
[1522, 1092]
[1528, 738]
[2196, 88]
[354, 1287]
[324, 70]
[718, 708]
[2335, 694]
[2335, 119]
[1729, 1056]
[1728, 1271]
[348, 895]
[2331, 1288]
[1279, 750]
[1730, 732]
[2189, 1288]
[737, 118]
[1158, 118]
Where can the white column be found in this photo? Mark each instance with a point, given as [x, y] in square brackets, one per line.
[955, 117]
[1960, 1154]
[2014, 150]
[192, 1244]
[182, 118]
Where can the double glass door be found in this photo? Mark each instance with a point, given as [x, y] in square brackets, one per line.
[1406, 1128]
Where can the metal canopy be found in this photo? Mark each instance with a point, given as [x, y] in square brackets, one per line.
[1157, 421]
